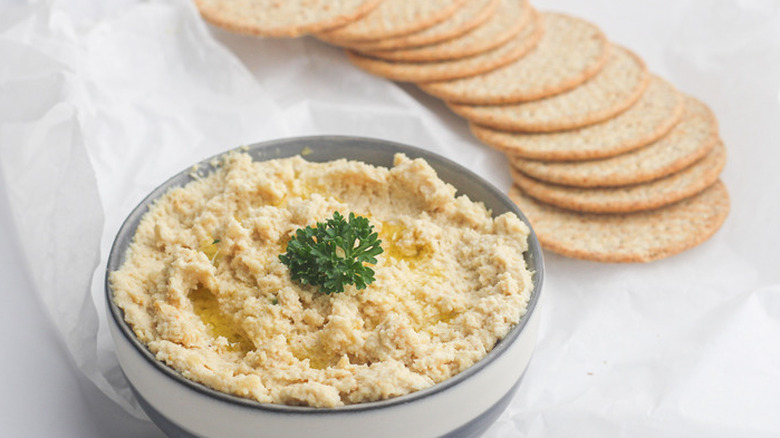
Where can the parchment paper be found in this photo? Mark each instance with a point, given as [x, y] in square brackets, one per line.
[102, 101]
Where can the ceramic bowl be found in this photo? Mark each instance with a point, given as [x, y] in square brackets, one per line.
[462, 406]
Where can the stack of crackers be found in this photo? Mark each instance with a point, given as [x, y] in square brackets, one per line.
[610, 161]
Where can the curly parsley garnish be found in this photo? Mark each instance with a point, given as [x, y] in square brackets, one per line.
[331, 255]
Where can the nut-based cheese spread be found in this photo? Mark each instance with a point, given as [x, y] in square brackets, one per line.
[203, 287]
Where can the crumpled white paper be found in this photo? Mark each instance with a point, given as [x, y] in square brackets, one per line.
[102, 101]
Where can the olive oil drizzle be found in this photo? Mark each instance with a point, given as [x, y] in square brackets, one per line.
[419, 263]
[218, 322]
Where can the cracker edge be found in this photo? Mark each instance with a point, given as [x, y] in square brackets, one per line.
[681, 163]
[724, 208]
[383, 69]
[537, 190]
[438, 17]
[410, 41]
[290, 31]
[486, 136]
[562, 123]
[411, 55]
[541, 93]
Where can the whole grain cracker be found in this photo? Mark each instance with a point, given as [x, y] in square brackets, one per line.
[611, 91]
[630, 237]
[273, 18]
[690, 140]
[394, 18]
[654, 194]
[458, 68]
[570, 51]
[472, 14]
[650, 118]
[506, 23]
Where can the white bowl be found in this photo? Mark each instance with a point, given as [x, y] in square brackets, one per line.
[462, 406]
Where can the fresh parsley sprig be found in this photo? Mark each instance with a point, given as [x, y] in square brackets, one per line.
[332, 254]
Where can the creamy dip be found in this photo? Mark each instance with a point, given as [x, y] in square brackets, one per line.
[203, 287]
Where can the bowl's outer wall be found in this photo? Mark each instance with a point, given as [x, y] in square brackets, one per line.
[321, 149]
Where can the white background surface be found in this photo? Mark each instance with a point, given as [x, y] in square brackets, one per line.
[687, 346]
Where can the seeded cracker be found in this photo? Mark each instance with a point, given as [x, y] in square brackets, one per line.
[650, 118]
[625, 199]
[615, 88]
[441, 70]
[395, 18]
[631, 237]
[690, 140]
[570, 51]
[606, 152]
[289, 18]
[506, 23]
[472, 14]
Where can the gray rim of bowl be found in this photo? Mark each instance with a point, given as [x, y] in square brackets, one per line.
[289, 147]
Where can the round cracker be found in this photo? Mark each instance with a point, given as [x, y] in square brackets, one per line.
[626, 199]
[506, 23]
[650, 118]
[611, 91]
[458, 68]
[570, 51]
[690, 140]
[630, 237]
[292, 18]
[393, 18]
[472, 14]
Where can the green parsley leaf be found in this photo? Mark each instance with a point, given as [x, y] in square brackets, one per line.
[332, 254]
